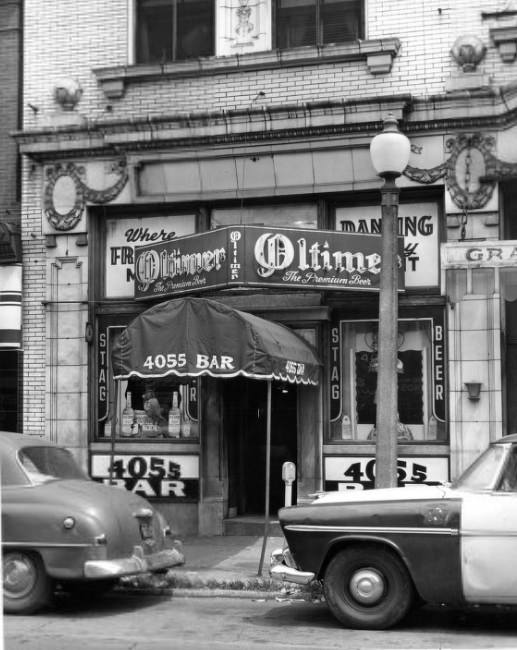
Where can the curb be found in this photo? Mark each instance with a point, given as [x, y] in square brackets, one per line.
[206, 592]
[195, 586]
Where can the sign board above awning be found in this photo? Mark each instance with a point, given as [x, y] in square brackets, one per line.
[254, 256]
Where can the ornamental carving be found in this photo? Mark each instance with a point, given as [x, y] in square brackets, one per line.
[66, 192]
[470, 172]
[243, 26]
[468, 52]
[67, 93]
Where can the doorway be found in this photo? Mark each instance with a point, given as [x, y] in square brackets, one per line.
[245, 415]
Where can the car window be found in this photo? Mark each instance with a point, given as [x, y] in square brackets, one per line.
[509, 477]
[484, 472]
[44, 464]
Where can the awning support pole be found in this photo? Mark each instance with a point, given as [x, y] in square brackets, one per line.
[268, 477]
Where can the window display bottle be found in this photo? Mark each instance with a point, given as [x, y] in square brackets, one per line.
[185, 423]
[432, 428]
[128, 418]
[174, 428]
[346, 428]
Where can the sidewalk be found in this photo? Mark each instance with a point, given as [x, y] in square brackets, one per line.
[223, 566]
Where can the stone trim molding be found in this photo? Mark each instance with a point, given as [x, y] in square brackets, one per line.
[378, 54]
[473, 111]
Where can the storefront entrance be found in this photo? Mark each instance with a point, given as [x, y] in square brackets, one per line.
[245, 432]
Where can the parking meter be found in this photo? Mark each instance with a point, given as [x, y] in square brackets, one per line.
[288, 476]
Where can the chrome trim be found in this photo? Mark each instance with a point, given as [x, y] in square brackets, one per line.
[282, 568]
[373, 529]
[143, 513]
[367, 586]
[137, 563]
[43, 545]
[488, 533]
[288, 574]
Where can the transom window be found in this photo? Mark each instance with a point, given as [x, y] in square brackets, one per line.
[176, 30]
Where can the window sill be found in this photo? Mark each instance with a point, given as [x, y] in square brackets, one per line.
[378, 54]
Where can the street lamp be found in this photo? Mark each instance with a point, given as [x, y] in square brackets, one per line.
[389, 151]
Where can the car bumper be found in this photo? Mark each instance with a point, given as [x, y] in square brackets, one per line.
[283, 568]
[137, 563]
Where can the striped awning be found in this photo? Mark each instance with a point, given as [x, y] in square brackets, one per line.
[10, 306]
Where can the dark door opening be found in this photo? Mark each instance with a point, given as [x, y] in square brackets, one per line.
[509, 190]
[245, 412]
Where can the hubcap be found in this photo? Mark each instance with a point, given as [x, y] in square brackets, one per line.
[19, 576]
[367, 586]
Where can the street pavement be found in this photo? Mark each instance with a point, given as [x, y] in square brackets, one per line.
[220, 565]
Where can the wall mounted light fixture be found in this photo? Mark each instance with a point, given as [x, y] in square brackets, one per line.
[473, 389]
[88, 333]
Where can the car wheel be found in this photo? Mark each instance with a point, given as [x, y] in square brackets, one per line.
[27, 587]
[367, 588]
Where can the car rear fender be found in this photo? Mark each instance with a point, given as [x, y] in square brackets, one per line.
[374, 542]
[62, 562]
[433, 567]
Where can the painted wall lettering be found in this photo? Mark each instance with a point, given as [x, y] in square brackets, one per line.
[417, 223]
[122, 235]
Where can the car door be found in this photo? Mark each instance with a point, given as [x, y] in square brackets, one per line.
[489, 540]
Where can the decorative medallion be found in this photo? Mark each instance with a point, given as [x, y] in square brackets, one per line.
[470, 172]
[436, 515]
[67, 93]
[66, 193]
[468, 52]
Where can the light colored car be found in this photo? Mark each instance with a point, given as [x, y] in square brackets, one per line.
[59, 528]
[378, 552]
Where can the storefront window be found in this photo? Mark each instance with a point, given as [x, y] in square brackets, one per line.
[165, 408]
[125, 234]
[353, 381]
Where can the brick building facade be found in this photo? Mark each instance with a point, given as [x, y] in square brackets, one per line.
[129, 132]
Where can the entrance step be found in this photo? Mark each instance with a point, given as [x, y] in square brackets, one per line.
[250, 526]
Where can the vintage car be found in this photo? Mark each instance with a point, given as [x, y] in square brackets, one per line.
[377, 552]
[60, 529]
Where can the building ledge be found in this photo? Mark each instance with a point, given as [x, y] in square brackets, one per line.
[325, 123]
[378, 54]
[505, 39]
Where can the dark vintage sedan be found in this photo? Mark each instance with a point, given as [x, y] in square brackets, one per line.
[60, 529]
[377, 552]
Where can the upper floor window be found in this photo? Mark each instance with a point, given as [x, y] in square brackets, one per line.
[317, 22]
[176, 30]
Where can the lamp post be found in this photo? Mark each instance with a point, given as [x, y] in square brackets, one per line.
[389, 151]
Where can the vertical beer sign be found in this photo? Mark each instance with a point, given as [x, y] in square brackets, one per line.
[335, 371]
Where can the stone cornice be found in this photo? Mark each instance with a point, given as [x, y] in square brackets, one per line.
[482, 109]
[273, 123]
